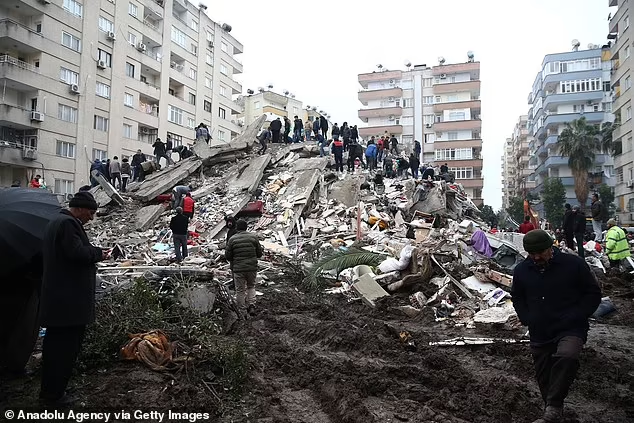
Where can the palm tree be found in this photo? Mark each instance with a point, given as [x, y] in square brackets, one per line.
[607, 141]
[580, 141]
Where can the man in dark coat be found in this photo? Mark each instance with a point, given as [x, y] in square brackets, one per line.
[137, 159]
[68, 293]
[579, 229]
[243, 251]
[568, 226]
[554, 294]
[599, 214]
[323, 125]
[230, 221]
[276, 127]
[297, 129]
[414, 164]
[287, 129]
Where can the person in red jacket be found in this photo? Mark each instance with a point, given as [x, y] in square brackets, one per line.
[527, 226]
[188, 205]
[35, 182]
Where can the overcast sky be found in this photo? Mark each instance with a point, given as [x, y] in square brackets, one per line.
[317, 49]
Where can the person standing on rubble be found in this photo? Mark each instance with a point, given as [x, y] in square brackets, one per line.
[616, 246]
[137, 159]
[579, 229]
[202, 133]
[276, 127]
[188, 206]
[323, 126]
[414, 164]
[169, 146]
[316, 125]
[394, 145]
[308, 129]
[68, 294]
[297, 129]
[380, 144]
[322, 143]
[159, 152]
[335, 132]
[554, 294]
[568, 226]
[243, 251]
[527, 226]
[287, 129]
[115, 172]
[178, 225]
[178, 193]
[337, 151]
[264, 138]
[388, 166]
[126, 172]
[370, 155]
[599, 214]
[230, 221]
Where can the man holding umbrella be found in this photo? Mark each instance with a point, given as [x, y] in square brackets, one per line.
[68, 293]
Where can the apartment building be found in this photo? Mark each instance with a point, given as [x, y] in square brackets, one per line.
[508, 173]
[622, 37]
[569, 85]
[84, 80]
[438, 106]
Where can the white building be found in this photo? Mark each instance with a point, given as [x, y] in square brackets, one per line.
[91, 79]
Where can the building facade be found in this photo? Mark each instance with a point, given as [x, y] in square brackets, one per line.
[84, 80]
[570, 85]
[508, 173]
[438, 106]
[622, 37]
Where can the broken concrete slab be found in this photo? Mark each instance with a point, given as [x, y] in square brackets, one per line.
[207, 152]
[308, 164]
[107, 188]
[369, 290]
[346, 191]
[146, 216]
[298, 194]
[199, 298]
[167, 179]
[249, 176]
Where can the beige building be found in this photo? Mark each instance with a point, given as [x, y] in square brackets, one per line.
[508, 173]
[622, 38]
[438, 106]
[516, 170]
[101, 78]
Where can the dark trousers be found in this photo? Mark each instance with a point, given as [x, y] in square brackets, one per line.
[615, 263]
[124, 182]
[338, 161]
[60, 349]
[115, 177]
[570, 237]
[556, 366]
[180, 247]
[286, 132]
[579, 239]
[276, 136]
[414, 171]
[263, 147]
[19, 325]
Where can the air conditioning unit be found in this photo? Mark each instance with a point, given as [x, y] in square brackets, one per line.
[180, 67]
[74, 88]
[428, 125]
[141, 47]
[101, 64]
[29, 154]
[145, 130]
[173, 65]
[111, 36]
[37, 116]
[443, 76]
[629, 184]
[392, 81]
[210, 43]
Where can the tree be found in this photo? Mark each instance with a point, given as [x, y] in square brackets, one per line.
[580, 142]
[516, 209]
[554, 197]
[488, 215]
[607, 141]
[606, 194]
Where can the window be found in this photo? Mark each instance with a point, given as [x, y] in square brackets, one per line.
[128, 100]
[192, 73]
[210, 36]
[427, 82]
[408, 102]
[627, 22]
[133, 10]
[209, 59]
[223, 46]
[64, 186]
[438, 99]
[69, 76]
[223, 92]
[428, 119]
[73, 7]
[129, 69]
[223, 69]
[176, 139]
[175, 115]
[103, 90]
[191, 123]
[456, 115]
[452, 136]
[221, 135]
[127, 131]
[38, 27]
[192, 99]
[194, 25]
[606, 87]
[462, 172]
[105, 25]
[71, 41]
[619, 175]
[105, 56]
[194, 49]
[178, 36]
[99, 154]
[65, 149]
[101, 123]
[207, 82]
[627, 52]
[607, 106]
[629, 113]
[222, 113]
[207, 105]
[428, 99]
[132, 39]
[454, 154]
[581, 85]
[256, 105]
[67, 113]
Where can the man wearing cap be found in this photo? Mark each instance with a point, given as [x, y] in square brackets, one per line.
[554, 294]
[68, 293]
[243, 251]
[616, 245]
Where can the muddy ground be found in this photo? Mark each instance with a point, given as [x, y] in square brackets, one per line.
[319, 359]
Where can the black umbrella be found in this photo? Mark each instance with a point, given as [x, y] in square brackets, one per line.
[24, 214]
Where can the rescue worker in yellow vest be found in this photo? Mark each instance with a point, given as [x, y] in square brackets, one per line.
[616, 247]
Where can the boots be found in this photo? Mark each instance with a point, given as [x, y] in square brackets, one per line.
[553, 414]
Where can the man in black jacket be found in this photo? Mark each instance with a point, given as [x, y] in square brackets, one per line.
[554, 294]
[178, 225]
[68, 294]
[568, 226]
[598, 216]
[243, 251]
[323, 125]
[336, 131]
[297, 130]
[137, 159]
[276, 127]
[578, 228]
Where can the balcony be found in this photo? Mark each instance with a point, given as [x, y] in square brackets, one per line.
[380, 112]
[365, 78]
[231, 61]
[227, 103]
[469, 67]
[25, 74]
[14, 154]
[471, 183]
[439, 144]
[365, 96]
[474, 163]
[556, 161]
[147, 89]
[553, 100]
[17, 117]
[560, 119]
[380, 130]
[469, 104]
[236, 88]
[20, 37]
[145, 113]
[553, 79]
[458, 125]
[229, 126]
[457, 87]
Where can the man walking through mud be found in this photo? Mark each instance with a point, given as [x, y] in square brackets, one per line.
[554, 294]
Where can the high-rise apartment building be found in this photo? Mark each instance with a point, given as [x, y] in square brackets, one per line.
[438, 106]
[90, 79]
[570, 85]
[508, 173]
[622, 37]
[516, 172]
